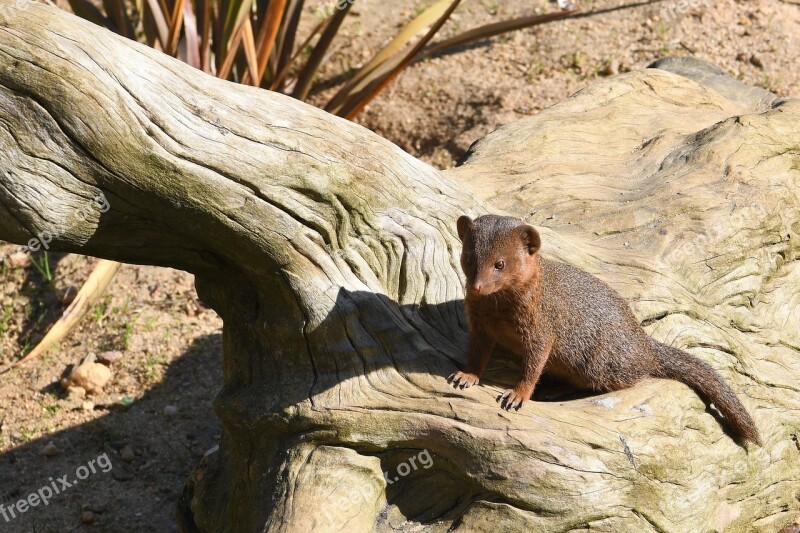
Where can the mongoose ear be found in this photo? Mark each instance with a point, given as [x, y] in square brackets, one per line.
[464, 224]
[531, 238]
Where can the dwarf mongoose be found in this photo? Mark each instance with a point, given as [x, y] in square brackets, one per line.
[565, 322]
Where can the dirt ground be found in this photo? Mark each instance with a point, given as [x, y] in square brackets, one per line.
[155, 420]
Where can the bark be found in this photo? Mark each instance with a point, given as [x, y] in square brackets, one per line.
[332, 257]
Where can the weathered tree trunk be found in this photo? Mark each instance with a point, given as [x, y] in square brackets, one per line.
[332, 257]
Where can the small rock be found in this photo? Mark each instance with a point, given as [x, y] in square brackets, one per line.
[126, 454]
[74, 393]
[19, 260]
[87, 517]
[90, 375]
[50, 450]
[171, 410]
[110, 357]
[87, 405]
[122, 474]
[66, 295]
[744, 21]
[126, 401]
[756, 61]
[742, 57]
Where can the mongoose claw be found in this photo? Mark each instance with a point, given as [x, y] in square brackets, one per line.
[512, 399]
[463, 380]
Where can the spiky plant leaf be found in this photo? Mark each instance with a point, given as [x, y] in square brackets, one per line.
[497, 28]
[175, 27]
[360, 94]
[363, 77]
[192, 38]
[309, 72]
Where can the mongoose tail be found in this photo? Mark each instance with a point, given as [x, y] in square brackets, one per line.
[709, 385]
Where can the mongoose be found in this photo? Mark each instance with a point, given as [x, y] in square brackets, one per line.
[566, 322]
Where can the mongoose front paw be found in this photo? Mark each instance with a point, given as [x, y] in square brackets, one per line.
[463, 380]
[513, 398]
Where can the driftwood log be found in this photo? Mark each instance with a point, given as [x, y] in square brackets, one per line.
[332, 257]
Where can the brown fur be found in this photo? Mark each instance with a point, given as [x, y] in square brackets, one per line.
[565, 322]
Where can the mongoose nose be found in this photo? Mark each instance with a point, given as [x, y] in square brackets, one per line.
[476, 288]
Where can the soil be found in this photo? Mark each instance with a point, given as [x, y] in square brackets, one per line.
[154, 420]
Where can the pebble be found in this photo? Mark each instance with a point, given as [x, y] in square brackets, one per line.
[87, 517]
[67, 295]
[756, 61]
[19, 260]
[50, 450]
[126, 454]
[75, 393]
[87, 405]
[122, 474]
[89, 374]
[110, 357]
[171, 410]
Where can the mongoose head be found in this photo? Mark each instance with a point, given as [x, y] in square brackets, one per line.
[498, 253]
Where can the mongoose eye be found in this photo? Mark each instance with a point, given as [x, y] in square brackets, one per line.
[500, 265]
